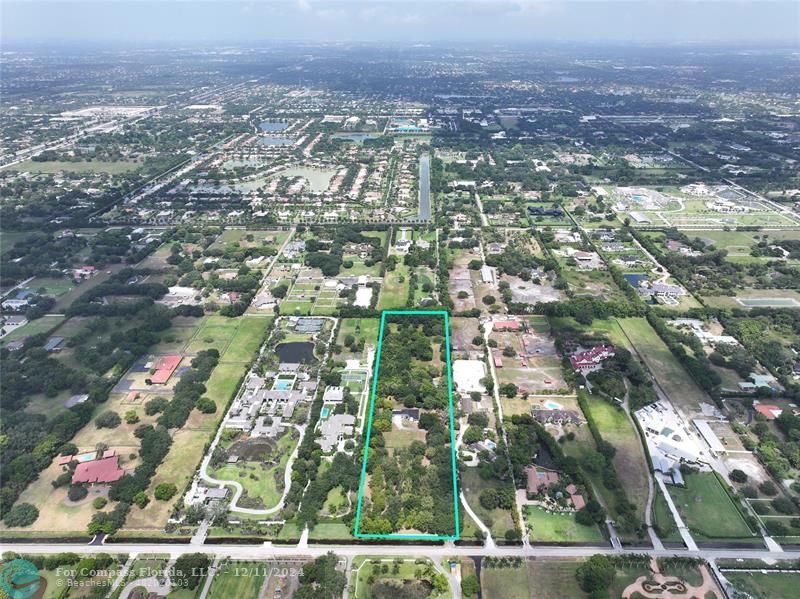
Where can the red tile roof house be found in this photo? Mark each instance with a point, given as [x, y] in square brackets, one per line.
[587, 361]
[506, 325]
[769, 411]
[164, 369]
[106, 470]
[539, 481]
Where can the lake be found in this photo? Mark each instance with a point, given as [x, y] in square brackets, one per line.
[296, 352]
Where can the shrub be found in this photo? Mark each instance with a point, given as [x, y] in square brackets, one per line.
[206, 405]
[768, 488]
[99, 503]
[77, 492]
[108, 420]
[738, 476]
[22, 514]
[165, 491]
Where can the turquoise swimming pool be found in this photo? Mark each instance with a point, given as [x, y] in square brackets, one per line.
[324, 413]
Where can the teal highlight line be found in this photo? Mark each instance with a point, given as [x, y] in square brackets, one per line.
[421, 537]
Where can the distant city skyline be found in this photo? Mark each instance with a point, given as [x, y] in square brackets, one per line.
[229, 21]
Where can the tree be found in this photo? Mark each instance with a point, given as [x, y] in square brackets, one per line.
[21, 515]
[488, 299]
[596, 574]
[141, 499]
[108, 420]
[155, 406]
[165, 491]
[321, 580]
[190, 569]
[206, 405]
[77, 492]
[738, 476]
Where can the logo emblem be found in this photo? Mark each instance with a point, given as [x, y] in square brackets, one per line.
[19, 578]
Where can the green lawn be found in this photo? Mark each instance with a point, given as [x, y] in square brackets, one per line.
[498, 520]
[394, 291]
[505, 583]
[765, 585]
[34, 327]
[55, 287]
[223, 381]
[707, 509]
[215, 332]
[238, 579]
[550, 527]
[257, 478]
[247, 339]
[407, 573]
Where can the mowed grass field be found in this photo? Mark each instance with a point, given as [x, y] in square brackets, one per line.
[629, 461]
[506, 583]
[549, 527]
[765, 585]
[238, 579]
[34, 327]
[394, 291]
[498, 520]
[669, 373]
[708, 510]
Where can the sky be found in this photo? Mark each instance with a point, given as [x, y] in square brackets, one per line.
[143, 22]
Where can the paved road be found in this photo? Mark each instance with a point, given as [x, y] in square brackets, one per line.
[269, 551]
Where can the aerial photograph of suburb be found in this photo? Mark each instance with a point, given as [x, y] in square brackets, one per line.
[399, 299]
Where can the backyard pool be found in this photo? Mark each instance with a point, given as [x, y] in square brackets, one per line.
[552, 405]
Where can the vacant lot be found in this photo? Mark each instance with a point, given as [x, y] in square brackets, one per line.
[238, 579]
[674, 380]
[629, 461]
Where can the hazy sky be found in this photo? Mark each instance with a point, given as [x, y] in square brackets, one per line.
[147, 21]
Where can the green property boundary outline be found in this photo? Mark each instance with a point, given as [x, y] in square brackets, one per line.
[424, 537]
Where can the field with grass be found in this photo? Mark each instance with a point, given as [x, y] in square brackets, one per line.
[765, 585]
[94, 166]
[238, 579]
[507, 583]
[369, 577]
[34, 327]
[260, 479]
[498, 520]
[629, 461]
[394, 290]
[549, 527]
[708, 510]
[674, 380]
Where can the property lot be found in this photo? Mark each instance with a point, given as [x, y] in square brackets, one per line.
[708, 510]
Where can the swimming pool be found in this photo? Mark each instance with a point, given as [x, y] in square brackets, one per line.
[552, 405]
[283, 385]
[324, 413]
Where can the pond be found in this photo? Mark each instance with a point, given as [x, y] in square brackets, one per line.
[635, 278]
[357, 137]
[276, 141]
[272, 126]
[296, 352]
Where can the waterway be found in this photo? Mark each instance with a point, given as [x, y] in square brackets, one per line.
[425, 187]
